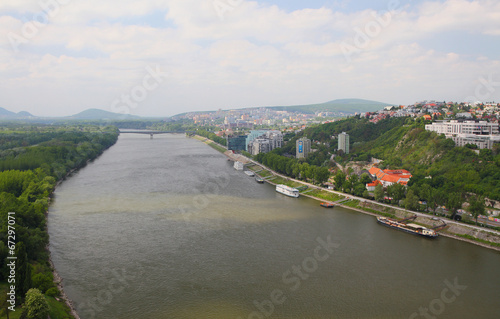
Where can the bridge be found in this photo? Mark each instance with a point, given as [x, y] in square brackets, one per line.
[151, 132]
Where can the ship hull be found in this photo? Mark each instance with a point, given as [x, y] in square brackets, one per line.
[288, 191]
[403, 227]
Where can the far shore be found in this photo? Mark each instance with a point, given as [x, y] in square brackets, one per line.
[454, 229]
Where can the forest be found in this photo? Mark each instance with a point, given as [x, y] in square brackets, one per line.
[33, 159]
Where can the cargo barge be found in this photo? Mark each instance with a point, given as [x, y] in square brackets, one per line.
[409, 228]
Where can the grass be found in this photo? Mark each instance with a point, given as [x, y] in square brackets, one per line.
[352, 203]
[217, 147]
[325, 195]
[479, 240]
[58, 309]
[253, 167]
[265, 173]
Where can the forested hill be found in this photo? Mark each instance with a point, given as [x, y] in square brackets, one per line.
[404, 143]
[32, 160]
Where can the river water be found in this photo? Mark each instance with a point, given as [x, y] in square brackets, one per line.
[166, 228]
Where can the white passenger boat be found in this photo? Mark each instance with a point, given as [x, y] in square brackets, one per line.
[287, 190]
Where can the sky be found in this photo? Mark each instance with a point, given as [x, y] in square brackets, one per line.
[165, 57]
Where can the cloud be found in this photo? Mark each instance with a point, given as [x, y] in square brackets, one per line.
[89, 52]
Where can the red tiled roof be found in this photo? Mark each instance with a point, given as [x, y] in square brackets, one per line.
[390, 178]
[375, 183]
[374, 170]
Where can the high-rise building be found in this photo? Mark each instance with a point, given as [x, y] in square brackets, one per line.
[303, 146]
[344, 142]
[237, 143]
[274, 140]
[259, 145]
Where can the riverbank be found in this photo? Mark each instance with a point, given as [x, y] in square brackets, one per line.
[472, 234]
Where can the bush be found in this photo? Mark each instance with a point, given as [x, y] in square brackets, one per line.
[53, 292]
[36, 306]
[43, 281]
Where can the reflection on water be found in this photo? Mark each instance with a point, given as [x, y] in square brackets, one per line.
[166, 228]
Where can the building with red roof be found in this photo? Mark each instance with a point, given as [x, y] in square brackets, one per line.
[388, 177]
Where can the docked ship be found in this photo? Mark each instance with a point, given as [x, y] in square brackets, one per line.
[409, 228]
[239, 166]
[250, 173]
[259, 180]
[287, 190]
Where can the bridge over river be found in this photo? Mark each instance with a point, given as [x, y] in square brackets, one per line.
[151, 132]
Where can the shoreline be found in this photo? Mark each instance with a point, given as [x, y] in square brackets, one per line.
[58, 280]
[444, 233]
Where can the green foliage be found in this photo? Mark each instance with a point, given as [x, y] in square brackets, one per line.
[23, 272]
[404, 143]
[477, 206]
[411, 200]
[293, 167]
[52, 292]
[454, 202]
[35, 306]
[32, 160]
[396, 191]
[365, 178]
[212, 136]
[339, 179]
[379, 193]
[43, 281]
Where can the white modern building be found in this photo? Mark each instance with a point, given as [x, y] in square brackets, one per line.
[481, 133]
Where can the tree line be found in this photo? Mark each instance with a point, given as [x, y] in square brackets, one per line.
[293, 167]
[28, 176]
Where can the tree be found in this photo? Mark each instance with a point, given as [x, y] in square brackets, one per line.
[453, 203]
[359, 190]
[476, 206]
[411, 201]
[36, 306]
[23, 272]
[339, 180]
[379, 193]
[396, 191]
[365, 178]
[426, 194]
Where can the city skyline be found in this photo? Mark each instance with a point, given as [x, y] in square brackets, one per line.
[161, 58]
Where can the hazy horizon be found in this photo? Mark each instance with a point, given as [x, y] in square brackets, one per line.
[161, 58]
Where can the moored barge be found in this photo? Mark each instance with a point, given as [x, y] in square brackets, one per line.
[409, 228]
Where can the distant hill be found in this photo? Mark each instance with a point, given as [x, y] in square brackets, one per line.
[343, 105]
[97, 114]
[25, 114]
[6, 114]
[349, 106]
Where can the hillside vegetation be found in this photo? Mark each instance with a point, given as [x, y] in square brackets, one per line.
[404, 143]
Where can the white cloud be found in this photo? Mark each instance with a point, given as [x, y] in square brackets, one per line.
[90, 52]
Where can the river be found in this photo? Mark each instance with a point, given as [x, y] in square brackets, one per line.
[166, 228]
